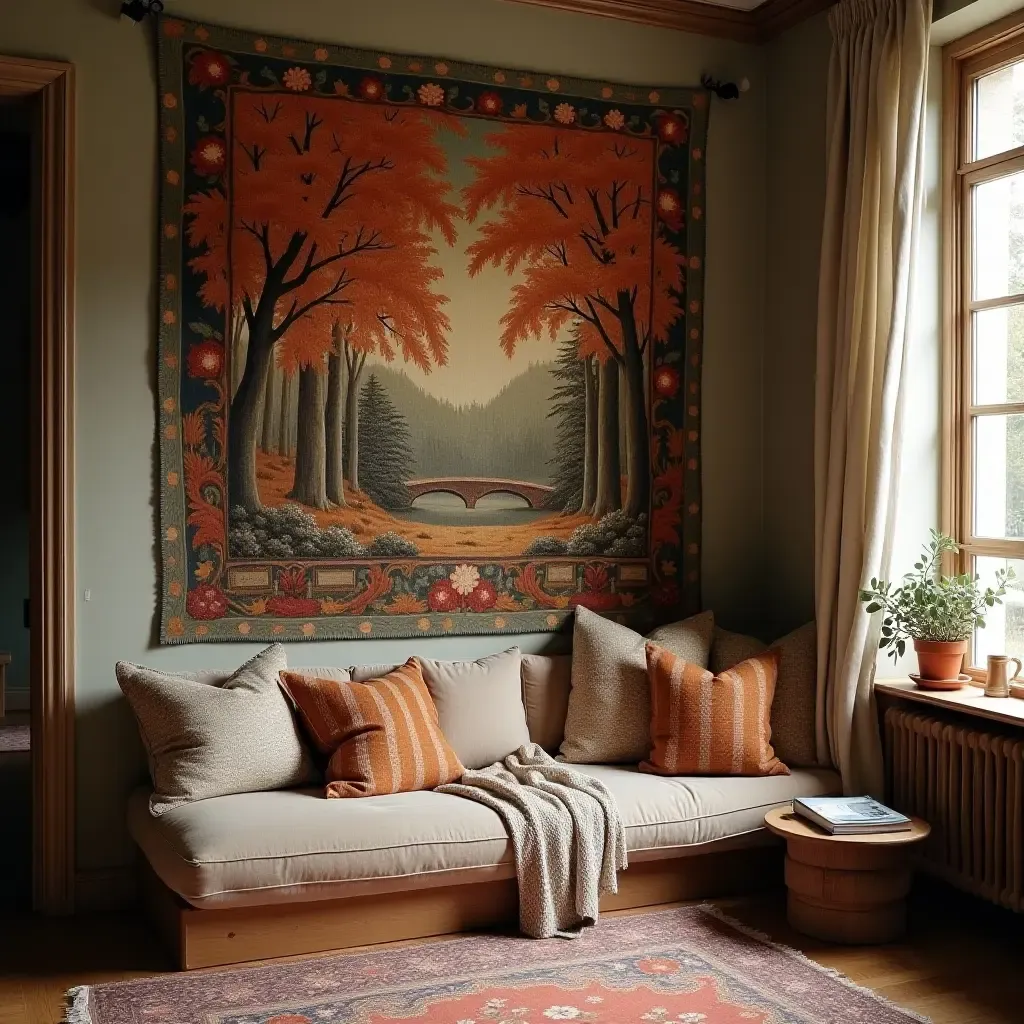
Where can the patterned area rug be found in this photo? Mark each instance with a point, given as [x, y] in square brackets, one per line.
[686, 966]
[14, 738]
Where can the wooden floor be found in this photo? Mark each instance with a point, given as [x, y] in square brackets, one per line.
[963, 961]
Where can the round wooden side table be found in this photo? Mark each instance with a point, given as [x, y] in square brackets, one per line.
[849, 889]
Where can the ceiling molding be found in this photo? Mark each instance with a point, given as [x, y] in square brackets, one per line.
[706, 19]
[683, 15]
[775, 16]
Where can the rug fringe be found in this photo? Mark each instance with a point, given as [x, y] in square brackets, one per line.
[77, 1010]
[712, 911]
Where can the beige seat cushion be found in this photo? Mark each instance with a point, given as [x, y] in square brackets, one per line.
[479, 705]
[665, 813]
[267, 847]
[208, 736]
[608, 720]
[793, 727]
[546, 682]
[259, 848]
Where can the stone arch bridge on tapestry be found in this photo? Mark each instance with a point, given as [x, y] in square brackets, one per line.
[471, 489]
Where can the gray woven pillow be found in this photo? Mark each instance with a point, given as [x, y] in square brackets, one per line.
[793, 727]
[206, 739]
[728, 649]
[609, 716]
[689, 639]
[796, 696]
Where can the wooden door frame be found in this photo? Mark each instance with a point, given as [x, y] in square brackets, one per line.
[50, 85]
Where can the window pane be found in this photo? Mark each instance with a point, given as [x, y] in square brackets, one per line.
[999, 111]
[998, 369]
[998, 254]
[1004, 624]
[999, 476]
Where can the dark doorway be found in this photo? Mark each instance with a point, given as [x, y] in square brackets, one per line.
[16, 245]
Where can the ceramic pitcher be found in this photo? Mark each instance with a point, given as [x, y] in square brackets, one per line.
[999, 679]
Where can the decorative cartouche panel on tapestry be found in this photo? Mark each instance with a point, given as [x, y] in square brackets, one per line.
[430, 339]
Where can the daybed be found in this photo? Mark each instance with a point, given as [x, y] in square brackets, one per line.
[257, 875]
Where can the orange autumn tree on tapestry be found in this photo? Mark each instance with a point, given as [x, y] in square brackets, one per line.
[332, 209]
[576, 212]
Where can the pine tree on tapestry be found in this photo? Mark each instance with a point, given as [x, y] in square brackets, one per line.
[386, 457]
[569, 411]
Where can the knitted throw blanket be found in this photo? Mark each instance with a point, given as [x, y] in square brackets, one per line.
[566, 834]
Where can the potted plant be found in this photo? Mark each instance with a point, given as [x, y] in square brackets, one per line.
[937, 612]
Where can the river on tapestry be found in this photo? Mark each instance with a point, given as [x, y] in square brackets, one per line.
[435, 332]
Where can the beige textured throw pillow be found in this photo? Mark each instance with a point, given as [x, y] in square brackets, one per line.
[206, 739]
[609, 714]
[479, 705]
[793, 726]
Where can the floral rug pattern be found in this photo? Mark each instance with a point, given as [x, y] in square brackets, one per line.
[688, 966]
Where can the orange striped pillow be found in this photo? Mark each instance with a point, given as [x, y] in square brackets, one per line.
[703, 724]
[381, 735]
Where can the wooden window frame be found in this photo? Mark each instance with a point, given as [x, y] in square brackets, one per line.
[963, 62]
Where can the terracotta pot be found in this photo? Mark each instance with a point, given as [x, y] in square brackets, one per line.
[940, 659]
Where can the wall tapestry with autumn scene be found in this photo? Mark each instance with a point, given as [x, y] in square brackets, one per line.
[430, 335]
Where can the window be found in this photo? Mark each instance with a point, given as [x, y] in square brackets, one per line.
[984, 243]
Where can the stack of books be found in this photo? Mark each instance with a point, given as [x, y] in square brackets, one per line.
[850, 815]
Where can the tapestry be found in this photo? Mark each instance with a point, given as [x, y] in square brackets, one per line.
[429, 343]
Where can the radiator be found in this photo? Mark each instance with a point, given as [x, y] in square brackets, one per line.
[968, 783]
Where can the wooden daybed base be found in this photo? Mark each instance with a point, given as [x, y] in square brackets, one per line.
[216, 937]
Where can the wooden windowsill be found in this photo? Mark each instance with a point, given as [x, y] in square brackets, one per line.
[970, 700]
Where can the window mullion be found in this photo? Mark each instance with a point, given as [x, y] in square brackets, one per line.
[995, 409]
[980, 305]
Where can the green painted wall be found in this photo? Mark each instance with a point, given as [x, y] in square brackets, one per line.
[797, 69]
[116, 314]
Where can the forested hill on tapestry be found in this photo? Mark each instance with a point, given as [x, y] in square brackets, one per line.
[430, 341]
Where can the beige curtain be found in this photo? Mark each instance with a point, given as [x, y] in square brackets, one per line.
[875, 143]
